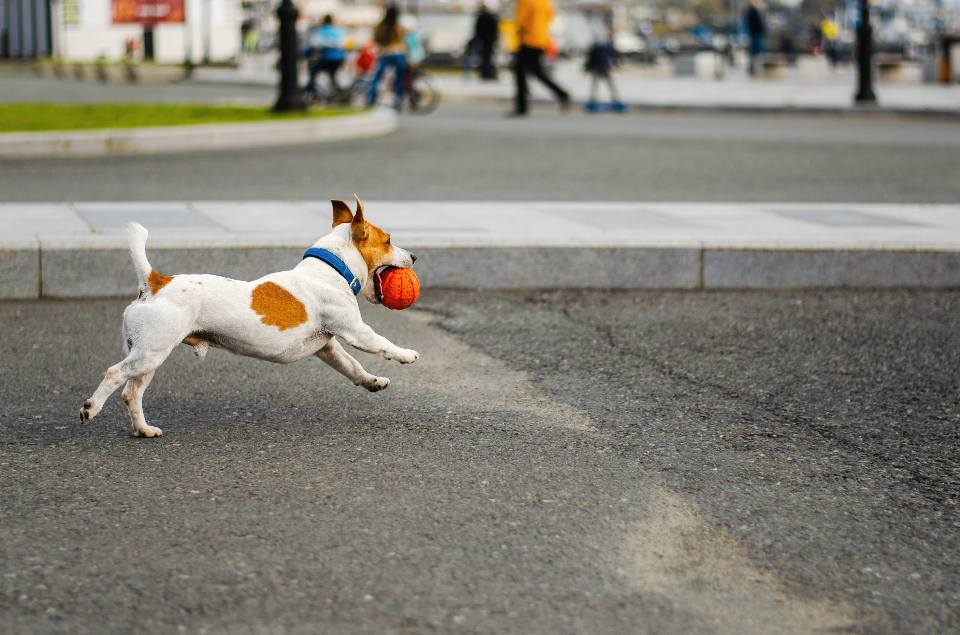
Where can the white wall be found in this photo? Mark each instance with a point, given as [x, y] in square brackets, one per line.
[96, 34]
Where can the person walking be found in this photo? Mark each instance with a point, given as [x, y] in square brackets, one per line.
[755, 26]
[326, 46]
[602, 56]
[829, 35]
[533, 21]
[486, 32]
[389, 37]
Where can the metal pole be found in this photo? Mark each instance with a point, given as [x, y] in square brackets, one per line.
[289, 97]
[207, 27]
[865, 94]
[187, 40]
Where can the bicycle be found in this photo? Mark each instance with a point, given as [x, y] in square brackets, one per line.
[327, 95]
[419, 87]
[420, 90]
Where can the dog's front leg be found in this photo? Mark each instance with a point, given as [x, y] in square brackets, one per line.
[366, 339]
[334, 355]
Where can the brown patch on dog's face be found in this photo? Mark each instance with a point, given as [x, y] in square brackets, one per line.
[277, 307]
[341, 213]
[157, 281]
[372, 242]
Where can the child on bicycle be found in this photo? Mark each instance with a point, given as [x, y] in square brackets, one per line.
[326, 47]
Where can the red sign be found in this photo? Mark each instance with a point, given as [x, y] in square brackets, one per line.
[147, 11]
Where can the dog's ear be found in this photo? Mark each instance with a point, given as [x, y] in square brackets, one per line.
[341, 213]
[358, 217]
[359, 228]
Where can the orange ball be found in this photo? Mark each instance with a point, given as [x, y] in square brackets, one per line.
[399, 288]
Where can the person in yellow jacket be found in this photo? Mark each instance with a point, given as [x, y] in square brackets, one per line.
[829, 34]
[533, 22]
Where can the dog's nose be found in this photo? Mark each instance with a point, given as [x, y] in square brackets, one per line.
[413, 257]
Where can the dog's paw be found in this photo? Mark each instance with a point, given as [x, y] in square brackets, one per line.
[406, 356]
[148, 432]
[87, 412]
[200, 350]
[376, 384]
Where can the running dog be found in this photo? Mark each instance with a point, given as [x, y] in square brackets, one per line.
[282, 317]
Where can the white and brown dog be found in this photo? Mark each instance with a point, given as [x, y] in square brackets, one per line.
[282, 317]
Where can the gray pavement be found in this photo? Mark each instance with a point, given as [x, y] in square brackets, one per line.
[556, 462]
[464, 152]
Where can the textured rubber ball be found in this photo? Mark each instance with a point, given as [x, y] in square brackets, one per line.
[399, 288]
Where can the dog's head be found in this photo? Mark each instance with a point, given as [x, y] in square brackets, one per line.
[373, 243]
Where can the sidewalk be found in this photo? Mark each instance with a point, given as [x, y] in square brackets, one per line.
[809, 88]
[78, 249]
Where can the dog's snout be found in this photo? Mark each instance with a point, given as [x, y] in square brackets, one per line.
[413, 257]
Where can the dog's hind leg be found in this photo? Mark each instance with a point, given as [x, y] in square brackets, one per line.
[133, 397]
[140, 361]
[344, 363]
[150, 333]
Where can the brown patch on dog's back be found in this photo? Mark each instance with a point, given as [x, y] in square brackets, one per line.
[277, 307]
[157, 281]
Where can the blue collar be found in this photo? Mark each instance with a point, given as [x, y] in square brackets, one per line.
[334, 261]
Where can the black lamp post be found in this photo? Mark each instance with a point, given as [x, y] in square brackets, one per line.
[865, 94]
[289, 97]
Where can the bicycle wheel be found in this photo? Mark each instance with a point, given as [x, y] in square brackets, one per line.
[310, 97]
[355, 95]
[424, 97]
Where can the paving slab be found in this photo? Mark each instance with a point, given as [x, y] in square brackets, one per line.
[26, 220]
[165, 216]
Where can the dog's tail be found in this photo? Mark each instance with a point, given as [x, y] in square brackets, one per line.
[137, 239]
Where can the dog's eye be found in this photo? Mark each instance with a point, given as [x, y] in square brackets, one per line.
[388, 240]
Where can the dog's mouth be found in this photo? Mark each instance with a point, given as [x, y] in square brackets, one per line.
[377, 292]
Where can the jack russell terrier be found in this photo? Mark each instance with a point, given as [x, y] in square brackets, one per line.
[282, 317]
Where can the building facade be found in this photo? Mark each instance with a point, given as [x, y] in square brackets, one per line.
[167, 31]
[25, 28]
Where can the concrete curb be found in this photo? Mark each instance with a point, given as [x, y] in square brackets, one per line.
[125, 141]
[734, 109]
[58, 270]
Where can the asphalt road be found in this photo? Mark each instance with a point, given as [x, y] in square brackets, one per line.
[471, 153]
[589, 462]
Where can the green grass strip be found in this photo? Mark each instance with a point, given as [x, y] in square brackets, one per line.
[46, 116]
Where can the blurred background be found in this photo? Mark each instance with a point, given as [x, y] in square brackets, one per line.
[912, 36]
[721, 99]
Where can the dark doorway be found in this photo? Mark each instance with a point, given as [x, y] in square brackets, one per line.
[24, 29]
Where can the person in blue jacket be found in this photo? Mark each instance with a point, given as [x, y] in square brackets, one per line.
[602, 56]
[327, 53]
